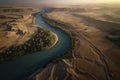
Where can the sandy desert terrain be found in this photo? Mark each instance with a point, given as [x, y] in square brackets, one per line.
[96, 52]
[19, 35]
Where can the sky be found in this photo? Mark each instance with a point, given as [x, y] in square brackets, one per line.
[59, 1]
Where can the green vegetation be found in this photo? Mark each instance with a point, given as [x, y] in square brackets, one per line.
[42, 40]
[62, 26]
[57, 23]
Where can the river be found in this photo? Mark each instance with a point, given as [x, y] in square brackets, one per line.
[28, 64]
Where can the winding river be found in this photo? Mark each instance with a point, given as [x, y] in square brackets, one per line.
[28, 64]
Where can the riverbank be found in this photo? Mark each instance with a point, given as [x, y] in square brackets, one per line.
[32, 62]
[58, 24]
[54, 40]
[68, 55]
[24, 37]
[88, 54]
[55, 37]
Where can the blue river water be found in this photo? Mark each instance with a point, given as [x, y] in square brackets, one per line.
[28, 64]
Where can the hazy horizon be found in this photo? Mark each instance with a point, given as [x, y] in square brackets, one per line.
[57, 2]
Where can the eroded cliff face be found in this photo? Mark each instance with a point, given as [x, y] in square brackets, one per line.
[91, 55]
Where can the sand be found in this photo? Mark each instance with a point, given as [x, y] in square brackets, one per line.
[93, 58]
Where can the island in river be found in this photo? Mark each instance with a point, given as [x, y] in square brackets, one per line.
[20, 36]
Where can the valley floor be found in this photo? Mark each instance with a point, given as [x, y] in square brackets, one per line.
[94, 57]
